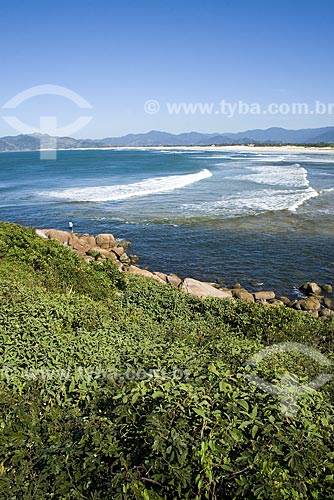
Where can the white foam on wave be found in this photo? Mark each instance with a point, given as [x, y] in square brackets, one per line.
[314, 161]
[119, 192]
[285, 187]
[168, 151]
[213, 157]
[260, 158]
[253, 202]
[287, 175]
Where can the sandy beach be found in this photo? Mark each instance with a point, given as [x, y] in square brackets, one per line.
[241, 148]
[246, 149]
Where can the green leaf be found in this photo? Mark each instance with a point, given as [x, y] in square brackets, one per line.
[244, 404]
[200, 412]
[254, 431]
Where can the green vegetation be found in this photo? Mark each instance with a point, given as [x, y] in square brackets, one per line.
[117, 387]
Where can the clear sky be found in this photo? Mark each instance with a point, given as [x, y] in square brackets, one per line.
[120, 54]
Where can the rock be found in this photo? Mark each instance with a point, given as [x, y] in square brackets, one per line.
[215, 285]
[310, 304]
[124, 244]
[162, 277]
[87, 240]
[105, 241]
[200, 289]
[236, 286]
[61, 236]
[41, 233]
[259, 296]
[94, 250]
[78, 244]
[133, 258]
[103, 252]
[285, 301]
[174, 280]
[242, 295]
[124, 257]
[328, 303]
[275, 303]
[326, 313]
[119, 251]
[140, 272]
[327, 288]
[310, 288]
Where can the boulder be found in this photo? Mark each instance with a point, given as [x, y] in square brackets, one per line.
[236, 286]
[262, 296]
[105, 241]
[242, 294]
[200, 289]
[285, 301]
[124, 244]
[95, 249]
[55, 234]
[41, 233]
[78, 244]
[328, 303]
[174, 280]
[158, 277]
[310, 304]
[310, 288]
[87, 240]
[327, 288]
[140, 272]
[275, 303]
[119, 251]
[215, 285]
[102, 251]
[133, 258]
[124, 257]
[162, 277]
[326, 313]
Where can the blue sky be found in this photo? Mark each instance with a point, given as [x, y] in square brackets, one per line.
[118, 55]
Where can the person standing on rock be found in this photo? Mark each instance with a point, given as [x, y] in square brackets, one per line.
[70, 226]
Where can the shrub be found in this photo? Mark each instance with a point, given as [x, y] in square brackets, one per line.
[124, 388]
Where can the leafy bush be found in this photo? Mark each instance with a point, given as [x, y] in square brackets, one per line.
[119, 387]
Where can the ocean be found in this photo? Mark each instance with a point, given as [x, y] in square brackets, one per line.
[262, 219]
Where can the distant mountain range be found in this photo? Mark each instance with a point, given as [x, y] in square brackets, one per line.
[155, 138]
[32, 142]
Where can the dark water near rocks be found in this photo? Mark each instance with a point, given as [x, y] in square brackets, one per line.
[220, 216]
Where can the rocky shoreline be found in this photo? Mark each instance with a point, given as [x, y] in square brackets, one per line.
[318, 300]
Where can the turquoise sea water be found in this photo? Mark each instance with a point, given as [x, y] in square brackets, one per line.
[246, 217]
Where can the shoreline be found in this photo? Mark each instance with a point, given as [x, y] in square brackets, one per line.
[232, 148]
[316, 300]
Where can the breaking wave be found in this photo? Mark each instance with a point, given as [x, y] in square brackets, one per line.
[119, 192]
